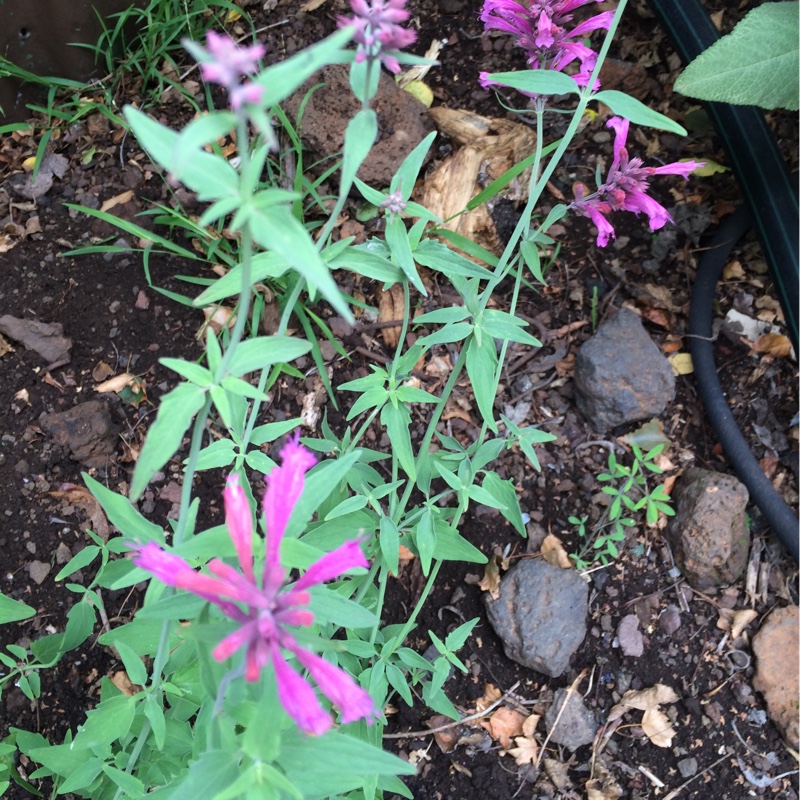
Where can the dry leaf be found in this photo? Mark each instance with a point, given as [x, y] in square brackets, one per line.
[558, 773]
[735, 621]
[526, 751]
[604, 786]
[116, 384]
[553, 552]
[733, 271]
[448, 738]
[5, 347]
[84, 500]
[529, 726]
[491, 579]
[649, 698]
[490, 694]
[773, 344]
[117, 200]
[102, 371]
[657, 728]
[311, 5]
[218, 317]
[681, 363]
[391, 307]
[503, 724]
[123, 683]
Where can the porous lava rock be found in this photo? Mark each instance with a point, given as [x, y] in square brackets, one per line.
[620, 374]
[709, 532]
[540, 615]
[402, 122]
[777, 654]
[86, 429]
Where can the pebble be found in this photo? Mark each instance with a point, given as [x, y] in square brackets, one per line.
[38, 571]
[687, 767]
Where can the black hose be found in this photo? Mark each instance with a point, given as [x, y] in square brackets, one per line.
[772, 204]
[777, 513]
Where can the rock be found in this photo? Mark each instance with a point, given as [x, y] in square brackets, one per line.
[86, 429]
[630, 637]
[777, 654]
[620, 374]
[709, 533]
[687, 767]
[46, 339]
[540, 615]
[38, 571]
[576, 726]
[402, 121]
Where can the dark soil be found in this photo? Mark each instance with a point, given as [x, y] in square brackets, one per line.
[113, 315]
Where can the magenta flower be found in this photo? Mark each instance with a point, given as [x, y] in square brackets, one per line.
[267, 612]
[540, 29]
[625, 188]
[228, 63]
[378, 30]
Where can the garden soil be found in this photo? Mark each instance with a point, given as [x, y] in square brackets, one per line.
[121, 319]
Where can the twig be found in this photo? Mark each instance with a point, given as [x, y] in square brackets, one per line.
[454, 724]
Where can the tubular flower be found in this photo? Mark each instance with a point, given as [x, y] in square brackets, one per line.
[266, 613]
[540, 29]
[625, 188]
[378, 30]
[228, 63]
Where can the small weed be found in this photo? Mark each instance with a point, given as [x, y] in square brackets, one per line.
[631, 494]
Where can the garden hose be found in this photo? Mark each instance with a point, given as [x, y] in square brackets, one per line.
[777, 513]
[772, 205]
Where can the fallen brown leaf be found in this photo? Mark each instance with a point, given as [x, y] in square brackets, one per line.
[391, 307]
[491, 579]
[504, 724]
[772, 344]
[735, 621]
[553, 552]
[82, 498]
[656, 725]
[526, 751]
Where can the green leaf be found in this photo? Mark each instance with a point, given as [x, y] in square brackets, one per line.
[502, 325]
[263, 351]
[329, 606]
[538, 81]
[626, 106]
[425, 540]
[396, 420]
[128, 783]
[175, 415]
[78, 561]
[481, 367]
[755, 64]
[281, 79]
[189, 370]
[218, 454]
[277, 229]
[359, 136]
[132, 663]
[14, 610]
[406, 176]
[400, 247]
[505, 494]
[390, 543]
[438, 256]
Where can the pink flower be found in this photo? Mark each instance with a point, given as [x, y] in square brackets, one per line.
[625, 188]
[540, 29]
[228, 63]
[267, 612]
[378, 30]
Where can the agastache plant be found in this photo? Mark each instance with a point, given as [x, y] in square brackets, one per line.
[625, 188]
[228, 63]
[540, 29]
[378, 32]
[266, 612]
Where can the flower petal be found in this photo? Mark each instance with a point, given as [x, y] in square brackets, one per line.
[284, 487]
[353, 701]
[239, 520]
[298, 698]
[334, 564]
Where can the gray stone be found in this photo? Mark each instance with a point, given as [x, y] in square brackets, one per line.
[576, 724]
[38, 571]
[403, 121]
[709, 533]
[687, 767]
[540, 615]
[47, 339]
[620, 374]
[630, 637]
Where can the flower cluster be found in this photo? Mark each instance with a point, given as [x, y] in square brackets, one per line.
[266, 612]
[228, 63]
[378, 30]
[541, 31]
[394, 203]
[625, 188]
